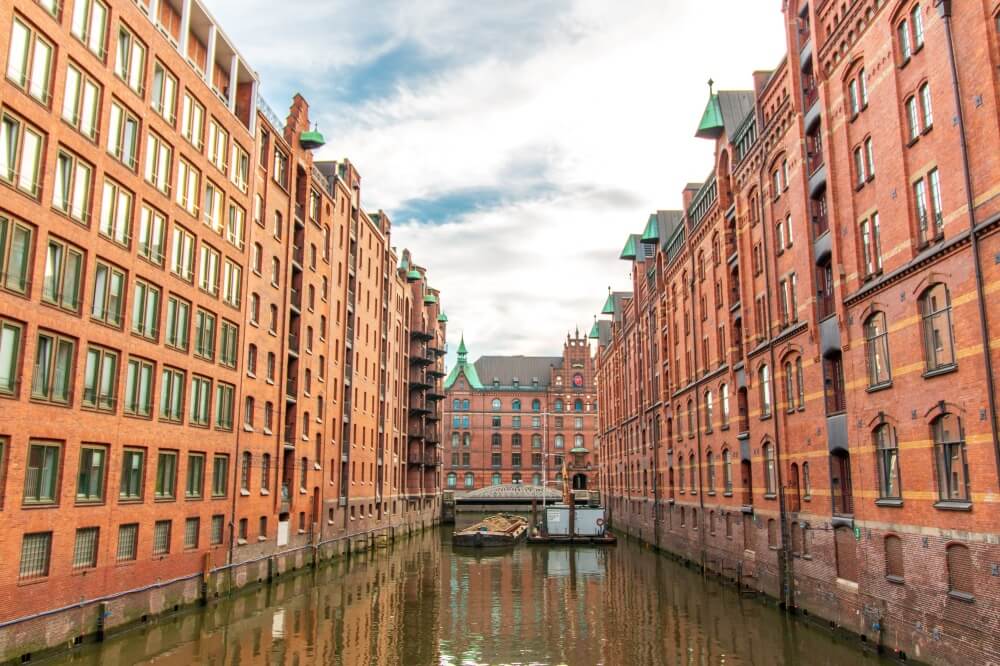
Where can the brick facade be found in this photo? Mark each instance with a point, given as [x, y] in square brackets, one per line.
[795, 391]
[207, 342]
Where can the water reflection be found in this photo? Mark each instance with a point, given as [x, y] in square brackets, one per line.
[420, 603]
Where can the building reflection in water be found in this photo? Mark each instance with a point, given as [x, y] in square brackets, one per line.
[420, 603]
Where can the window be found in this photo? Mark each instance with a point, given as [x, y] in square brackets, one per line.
[724, 400]
[770, 471]
[218, 527]
[220, 476]
[36, 551]
[926, 106]
[61, 285]
[281, 168]
[877, 350]
[854, 94]
[109, 294]
[29, 63]
[833, 383]
[912, 118]
[208, 269]
[161, 537]
[692, 474]
[887, 452]
[800, 381]
[178, 320]
[182, 253]
[163, 96]
[192, 120]
[232, 276]
[10, 350]
[201, 391]
[245, 471]
[188, 186]
[192, 526]
[860, 172]
[710, 469]
[871, 246]
[130, 61]
[146, 310]
[123, 135]
[863, 84]
[961, 573]
[952, 466]
[235, 224]
[100, 379]
[139, 388]
[156, 169]
[214, 206]
[709, 411]
[935, 310]
[128, 542]
[90, 475]
[228, 340]
[905, 46]
[224, 397]
[217, 149]
[116, 213]
[840, 483]
[152, 227]
[239, 167]
[133, 473]
[53, 374]
[204, 337]
[20, 157]
[918, 27]
[41, 478]
[81, 101]
[195, 487]
[90, 24]
[166, 475]
[764, 378]
[85, 548]
[71, 187]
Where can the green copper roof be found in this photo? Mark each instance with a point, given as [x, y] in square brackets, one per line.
[413, 275]
[629, 252]
[430, 299]
[609, 306]
[463, 368]
[652, 232]
[711, 124]
[443, 318]
[311, 140]
[595, 331]
[403, 263]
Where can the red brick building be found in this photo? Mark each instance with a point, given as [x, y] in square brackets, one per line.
[205, 340]
[798, 391]
[519, 419]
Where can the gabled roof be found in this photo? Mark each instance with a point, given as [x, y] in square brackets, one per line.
[668, 221]
[724, 112]
[629, 251]
[651, 234]
[526, 369]
[463, 367]
[609, 305]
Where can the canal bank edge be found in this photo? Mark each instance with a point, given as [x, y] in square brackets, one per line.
[48, 634]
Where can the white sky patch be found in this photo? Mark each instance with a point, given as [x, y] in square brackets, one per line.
[603, 97]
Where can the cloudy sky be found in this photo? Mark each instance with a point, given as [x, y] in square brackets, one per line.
[514, 143]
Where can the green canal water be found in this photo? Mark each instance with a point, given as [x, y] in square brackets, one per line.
[419, 602]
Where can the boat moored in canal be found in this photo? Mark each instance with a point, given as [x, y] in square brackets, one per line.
[502, 529]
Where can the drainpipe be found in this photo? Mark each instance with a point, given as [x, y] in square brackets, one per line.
[945, 11]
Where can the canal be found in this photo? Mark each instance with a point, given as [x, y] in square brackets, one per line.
[419, 603]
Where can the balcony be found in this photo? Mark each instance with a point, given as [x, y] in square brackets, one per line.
[297, 255]
[291, 388]
[416, 359]
[296, 299]
[820, 222]
[420, 334]
[300, 213]
[293, 344]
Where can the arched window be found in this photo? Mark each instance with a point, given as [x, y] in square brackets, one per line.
[515, 441]
[893, 558]
[560, 442]
[710, 469]
[806, 483]
[789, 388]
[770, 470]
[470, 480]
[495, 480]
[456, 404]
[465, 405]
[709, 410]
[877, 350]
[515, 405]
[265, 471]
[536, 405]
[496, 441]
[680, 472]
[935, 309]
[690, 417]
[454, 440]
[960, 572]
[578, 442]
[840, 483]
[949, 448]
[496, 404]
[692, 474]
[578, 405]
[559, 405]
[515, 477]
[452, 479]
[245, 471]
[466, 440]
[536, 479]
[724, 400]
[887, 451]
[800, 381]
[764, 379]
[536, 441]
[794, 504]
[727, 472]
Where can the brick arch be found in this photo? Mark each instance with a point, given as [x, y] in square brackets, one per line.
[857, 61]
[870, 309]
[942, 407]
[882, 418]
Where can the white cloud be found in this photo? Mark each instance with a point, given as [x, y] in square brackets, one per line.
[575, 119]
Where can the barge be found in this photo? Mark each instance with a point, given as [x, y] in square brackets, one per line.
[495, 531]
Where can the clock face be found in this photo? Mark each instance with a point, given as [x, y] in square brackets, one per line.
[578, 379]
